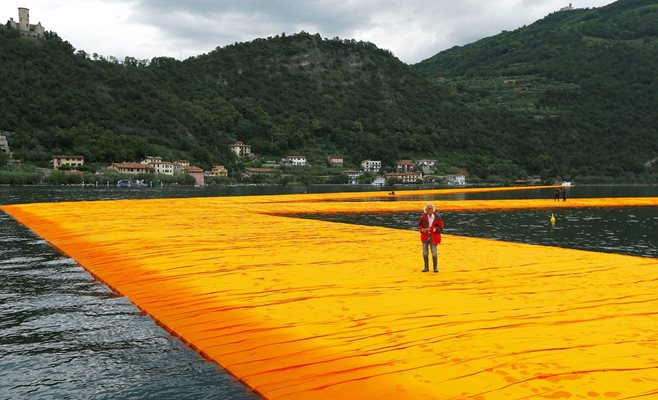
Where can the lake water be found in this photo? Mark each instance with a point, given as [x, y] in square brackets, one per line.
[64, 335]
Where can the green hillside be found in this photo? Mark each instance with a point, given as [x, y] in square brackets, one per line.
[579, 100]
[298, 93]
[578, 87]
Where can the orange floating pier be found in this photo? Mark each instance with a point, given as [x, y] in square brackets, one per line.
[307, 309]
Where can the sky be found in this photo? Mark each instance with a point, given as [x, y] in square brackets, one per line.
[413, 30]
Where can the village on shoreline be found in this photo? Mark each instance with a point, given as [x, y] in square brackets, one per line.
[250, 169]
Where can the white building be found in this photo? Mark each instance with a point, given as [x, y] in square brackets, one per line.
[379, 181]
[405, 165]
[151, 160]
[159, 166]
[240, 149]
[164, 167]
[130, 168]
[404, 177]
[427, 165]
[454, 180]
[295, 161]
[353, 175]
[371, 165]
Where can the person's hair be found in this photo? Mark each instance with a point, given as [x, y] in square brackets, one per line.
[429, 205]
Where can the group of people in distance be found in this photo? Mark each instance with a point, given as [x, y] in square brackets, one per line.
[560, 192]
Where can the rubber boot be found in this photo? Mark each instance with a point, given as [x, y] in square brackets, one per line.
[435, 262]
[426, 261]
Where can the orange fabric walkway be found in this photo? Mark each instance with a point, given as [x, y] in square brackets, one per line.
[306, 309]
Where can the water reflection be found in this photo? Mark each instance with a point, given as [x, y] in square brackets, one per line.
[616, 230]
[64, 335]
[528, 193]
[572, 192]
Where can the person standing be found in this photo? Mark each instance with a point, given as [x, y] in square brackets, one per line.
[430, 226]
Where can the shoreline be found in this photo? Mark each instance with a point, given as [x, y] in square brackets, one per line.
[365, 185]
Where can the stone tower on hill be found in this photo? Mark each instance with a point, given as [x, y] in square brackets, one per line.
[23, 25]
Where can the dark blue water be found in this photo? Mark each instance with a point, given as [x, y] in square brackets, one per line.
[39, 194]
[572, 192]
[64, 335]
[631, 230]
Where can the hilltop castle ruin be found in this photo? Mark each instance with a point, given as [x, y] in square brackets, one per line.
[23, 25]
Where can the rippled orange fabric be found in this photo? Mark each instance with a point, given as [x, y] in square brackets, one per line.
[307, 309]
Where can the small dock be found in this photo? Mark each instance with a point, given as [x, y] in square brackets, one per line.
[307, 309]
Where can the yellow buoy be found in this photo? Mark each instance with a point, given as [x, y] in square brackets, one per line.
[552, 219]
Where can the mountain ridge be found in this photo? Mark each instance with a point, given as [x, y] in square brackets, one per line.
[306, 94]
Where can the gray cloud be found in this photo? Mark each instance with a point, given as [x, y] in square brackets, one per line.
[224, 22]
[412, 29]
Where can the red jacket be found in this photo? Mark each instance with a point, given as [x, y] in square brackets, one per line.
[435, 229]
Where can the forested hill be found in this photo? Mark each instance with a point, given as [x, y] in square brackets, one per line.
[306, 94]
[584, 82]
[283, 95]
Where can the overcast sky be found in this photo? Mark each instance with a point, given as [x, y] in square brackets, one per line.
[412, 29]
